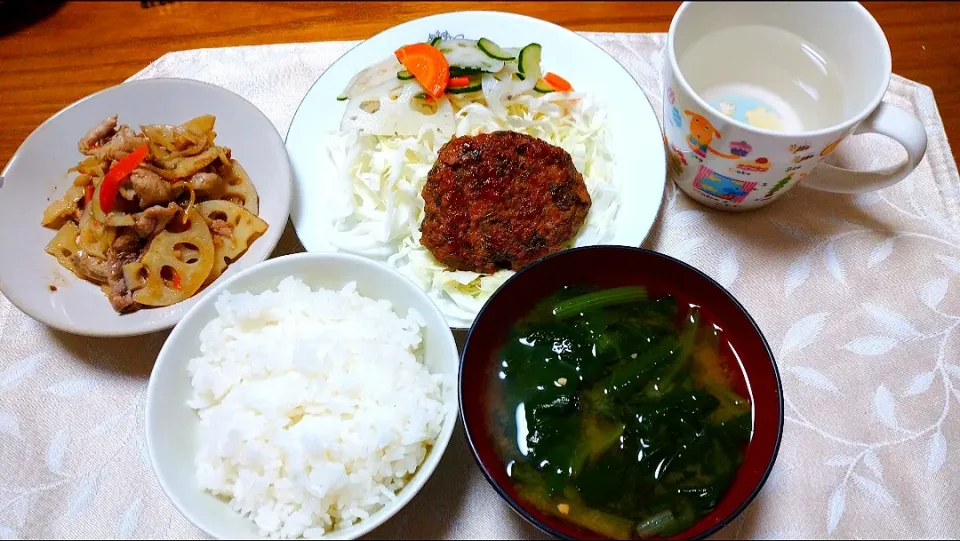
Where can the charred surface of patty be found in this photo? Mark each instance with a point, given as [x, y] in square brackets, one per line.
[501, 200]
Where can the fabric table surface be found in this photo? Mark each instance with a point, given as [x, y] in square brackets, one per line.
[858, 295]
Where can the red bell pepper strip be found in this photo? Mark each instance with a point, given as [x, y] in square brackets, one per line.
[111, 181]
[458, 82]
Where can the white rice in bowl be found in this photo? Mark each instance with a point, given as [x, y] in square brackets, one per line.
[315, 407]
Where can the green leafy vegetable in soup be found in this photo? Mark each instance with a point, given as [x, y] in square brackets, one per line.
[619, 413]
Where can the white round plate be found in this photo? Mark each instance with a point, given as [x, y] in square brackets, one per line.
[37, 175]
[634, 129]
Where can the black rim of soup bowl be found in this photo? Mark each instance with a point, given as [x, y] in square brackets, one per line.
[519, 509]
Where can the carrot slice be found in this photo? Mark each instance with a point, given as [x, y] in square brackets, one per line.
[428, 66]
[557, 82]
[457, 82]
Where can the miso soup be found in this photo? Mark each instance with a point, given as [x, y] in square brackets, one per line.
[623, 414]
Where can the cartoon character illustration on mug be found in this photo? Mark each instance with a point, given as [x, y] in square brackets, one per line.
[748, 135]
[702, 133]
[716, 186]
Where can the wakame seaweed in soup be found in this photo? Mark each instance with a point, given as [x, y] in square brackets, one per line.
[618, 412]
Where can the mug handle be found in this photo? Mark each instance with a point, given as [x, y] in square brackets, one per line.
[886, 120]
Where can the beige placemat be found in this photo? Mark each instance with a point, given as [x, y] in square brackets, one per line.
[859, 297]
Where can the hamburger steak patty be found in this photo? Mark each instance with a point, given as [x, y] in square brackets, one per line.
[501, 200]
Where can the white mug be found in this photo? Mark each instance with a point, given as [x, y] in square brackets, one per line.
[758, 94]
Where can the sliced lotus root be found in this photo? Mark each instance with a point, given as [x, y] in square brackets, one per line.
[95, 236]
[63, 208]
[64, 244]
[240, 189]
[244, 227]
[175, 264]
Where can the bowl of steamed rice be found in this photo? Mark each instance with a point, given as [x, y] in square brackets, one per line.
[310, 396]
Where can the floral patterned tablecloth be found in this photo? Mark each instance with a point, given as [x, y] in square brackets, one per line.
[859, 297]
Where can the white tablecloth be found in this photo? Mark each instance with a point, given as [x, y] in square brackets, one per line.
[859, 297]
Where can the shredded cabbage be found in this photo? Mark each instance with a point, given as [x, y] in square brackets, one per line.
[378, 208]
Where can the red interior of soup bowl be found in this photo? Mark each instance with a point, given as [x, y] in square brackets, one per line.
[614, 266]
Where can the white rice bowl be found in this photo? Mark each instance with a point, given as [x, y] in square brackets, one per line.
[315, 406]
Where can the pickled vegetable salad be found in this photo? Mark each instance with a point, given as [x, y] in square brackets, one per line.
[399, 113]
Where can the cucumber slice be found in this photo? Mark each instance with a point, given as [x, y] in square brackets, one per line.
[529, 63]
[456, 71]
[436, 41]
[342, 97]
[420, 95]
[543, 87]
[493, 50]
[404, 75]
[465, 54]
[475, 84]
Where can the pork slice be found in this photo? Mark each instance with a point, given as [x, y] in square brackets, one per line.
[126, 190]
[123, 142]
[120, 296]
[90, 140]
[208, 184]
[127, 242]
[151, 189]
[92, 268]
[154, 219]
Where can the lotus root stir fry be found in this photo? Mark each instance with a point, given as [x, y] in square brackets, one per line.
[153, 216]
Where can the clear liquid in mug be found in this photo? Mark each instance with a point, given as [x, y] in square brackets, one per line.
[766, 77]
